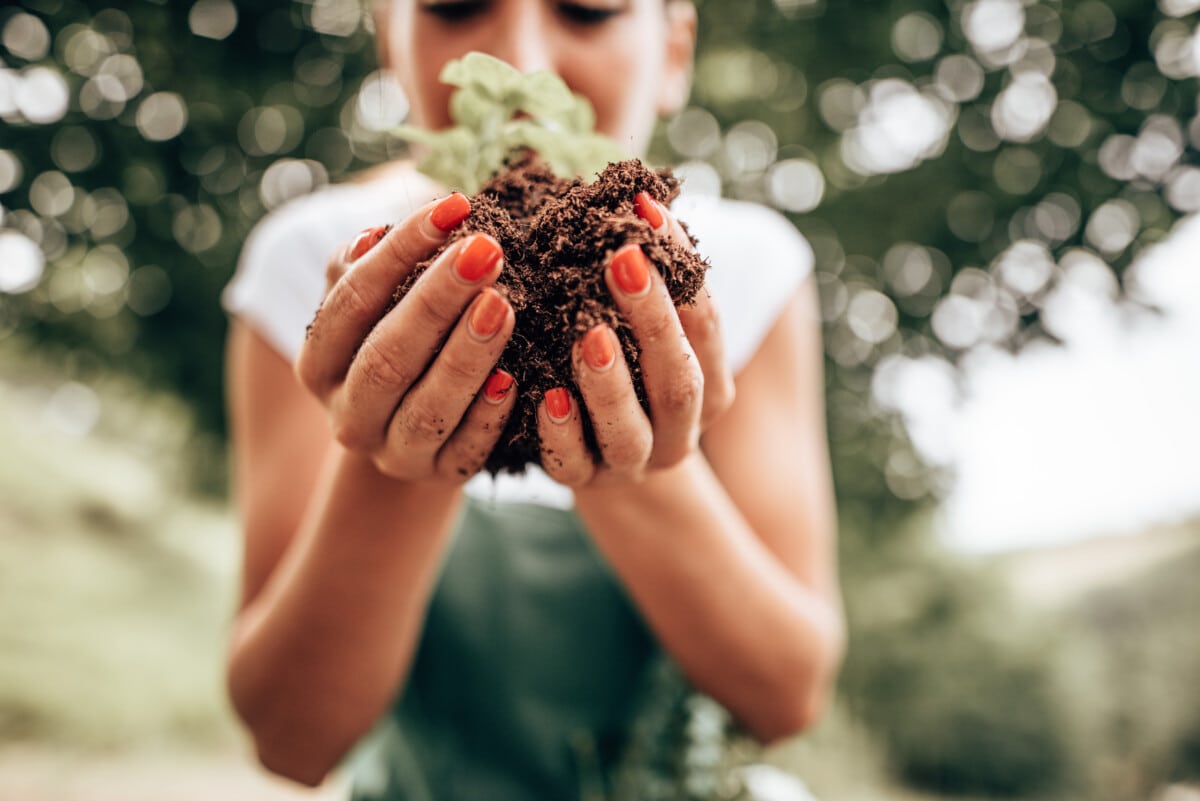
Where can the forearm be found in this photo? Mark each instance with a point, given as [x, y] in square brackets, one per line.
[319, 652]
[742, 627]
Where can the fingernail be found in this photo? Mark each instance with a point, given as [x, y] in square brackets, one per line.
[450, 212]
[649, 211]
[367, 240]
[487, 317]
[477, 258]
[558, 404]
[598, 350]
[631, 271]
[498, 385]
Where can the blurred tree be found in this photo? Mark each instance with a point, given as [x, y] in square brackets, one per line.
[140, 144]
[1136, 667]
[946, 672]
[955, 165]
[960, 168]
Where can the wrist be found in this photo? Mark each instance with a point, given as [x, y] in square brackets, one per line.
[636, 493]
[361, 470]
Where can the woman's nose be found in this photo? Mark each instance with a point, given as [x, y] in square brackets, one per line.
[524, 38]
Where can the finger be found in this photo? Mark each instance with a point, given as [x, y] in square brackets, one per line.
[660, 219]
[354, 250]
[623, 433]
[699, 318]
[671, 372]
[364, 287]
[468, 448]
[433, 409]
[399, 349]
[565, 455]
[339, 263]
[702, 326]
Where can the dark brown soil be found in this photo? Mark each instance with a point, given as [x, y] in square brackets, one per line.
[557, 235]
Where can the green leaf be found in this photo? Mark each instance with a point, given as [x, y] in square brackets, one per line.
[470, 107]
[543, 94]
[453, 159]
[491, 76]
[555, 123]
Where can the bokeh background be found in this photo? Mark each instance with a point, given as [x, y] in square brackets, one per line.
[998, 195]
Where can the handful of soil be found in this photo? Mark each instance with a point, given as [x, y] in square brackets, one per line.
[557, 232]
[557, 235]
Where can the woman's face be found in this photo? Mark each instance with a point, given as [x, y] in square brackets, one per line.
[631, 58]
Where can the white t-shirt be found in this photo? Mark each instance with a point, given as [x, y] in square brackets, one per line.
[758, 261]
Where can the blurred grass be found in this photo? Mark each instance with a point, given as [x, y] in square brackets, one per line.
[115, 586]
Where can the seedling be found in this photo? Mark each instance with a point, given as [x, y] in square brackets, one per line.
[500, 112]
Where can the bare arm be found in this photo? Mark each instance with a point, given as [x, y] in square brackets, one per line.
[731, 558]
[348, 471]
[339, 565]
[726, 543]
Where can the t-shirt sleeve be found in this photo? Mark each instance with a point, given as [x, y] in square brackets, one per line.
[280, 278]
[758, 262]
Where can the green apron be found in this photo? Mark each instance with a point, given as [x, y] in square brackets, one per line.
[528, 673]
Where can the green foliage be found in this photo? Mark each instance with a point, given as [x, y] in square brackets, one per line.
[1130, 656]
[957, 690]
[117, 585]
[500, 111]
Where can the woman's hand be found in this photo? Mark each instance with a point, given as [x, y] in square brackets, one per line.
[414, 388]
[687, 380]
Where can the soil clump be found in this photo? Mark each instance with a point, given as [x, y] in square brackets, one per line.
[557, 235]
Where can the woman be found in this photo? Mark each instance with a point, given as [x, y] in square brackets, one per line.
[496, 635]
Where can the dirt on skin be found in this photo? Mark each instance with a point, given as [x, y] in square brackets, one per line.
[557, 236]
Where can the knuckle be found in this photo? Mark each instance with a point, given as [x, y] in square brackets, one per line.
[377, 370]
[432, 310]
[684, 393]
[391, 465]
[459, 369]
[421, 426]
[657, 327]
[351, 301]
[706, 319]
[351, 435]
[721, 395]
[571, 472]
[409, 246]
[630, 454]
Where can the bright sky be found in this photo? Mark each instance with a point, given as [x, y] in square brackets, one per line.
[1098, 436]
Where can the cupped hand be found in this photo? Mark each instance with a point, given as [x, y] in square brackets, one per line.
[413, 386]
[687, 380]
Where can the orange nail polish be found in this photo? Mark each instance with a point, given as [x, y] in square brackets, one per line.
[367, 240]
[558, 404]
[450, 212]
[647, 209]
[477, 258]
[498, 385]
[630, 270]
[487, 317]
[598, 349]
